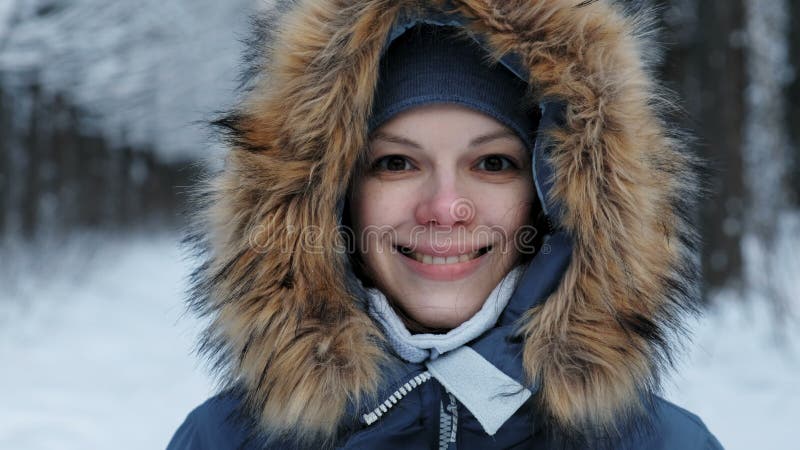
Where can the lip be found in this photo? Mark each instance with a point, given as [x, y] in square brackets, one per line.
[443, 272]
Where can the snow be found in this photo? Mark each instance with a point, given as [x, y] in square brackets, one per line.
[97, 351]
[145, 72]
[6, 9]
[742, 376]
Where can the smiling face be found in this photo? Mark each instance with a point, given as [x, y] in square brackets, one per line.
[446, 191]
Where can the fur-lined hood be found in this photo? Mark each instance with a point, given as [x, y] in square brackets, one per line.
[287, 326]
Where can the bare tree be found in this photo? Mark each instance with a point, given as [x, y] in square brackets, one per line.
[793, 101]
[767, 149]
[5, 124]
[718, 64]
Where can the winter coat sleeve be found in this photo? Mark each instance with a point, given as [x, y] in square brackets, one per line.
[681, 429]
[210, 426]
[184, 437]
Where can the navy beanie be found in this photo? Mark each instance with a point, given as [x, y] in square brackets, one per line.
[430, 64]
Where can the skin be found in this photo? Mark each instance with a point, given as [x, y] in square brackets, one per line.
[442, 180]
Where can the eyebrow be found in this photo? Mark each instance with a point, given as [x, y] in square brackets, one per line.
[388, 137]
[500, 134]
[482, 139]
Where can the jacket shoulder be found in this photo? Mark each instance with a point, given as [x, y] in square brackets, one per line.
[676, 427]
[215, 424]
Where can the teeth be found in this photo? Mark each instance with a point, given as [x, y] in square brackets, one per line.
[428, 259]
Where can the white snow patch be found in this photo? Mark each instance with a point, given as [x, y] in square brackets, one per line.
[6, 11]
[742, 376]
[145, 72]
[96, 352]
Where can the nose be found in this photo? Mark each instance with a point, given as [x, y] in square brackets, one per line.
[444, 204]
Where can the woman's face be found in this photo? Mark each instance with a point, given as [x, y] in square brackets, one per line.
[436, 213]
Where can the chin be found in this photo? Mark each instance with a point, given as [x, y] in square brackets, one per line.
[442, 316]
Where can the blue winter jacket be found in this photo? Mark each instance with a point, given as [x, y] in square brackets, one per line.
[213, 426]
[592, 324]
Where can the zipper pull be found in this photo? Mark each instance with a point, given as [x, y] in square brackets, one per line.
[373, 416]
[448, 422]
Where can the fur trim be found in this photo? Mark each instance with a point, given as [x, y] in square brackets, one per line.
[286, 326]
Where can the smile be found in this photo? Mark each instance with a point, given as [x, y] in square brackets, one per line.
[442, 260]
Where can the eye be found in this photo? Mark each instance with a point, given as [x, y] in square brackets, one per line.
[496, 163]
[392, 163]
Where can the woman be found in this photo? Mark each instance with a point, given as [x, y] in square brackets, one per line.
[447, 224]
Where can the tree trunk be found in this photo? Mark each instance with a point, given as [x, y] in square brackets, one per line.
[766, 149]
[793, 102]
[720, 72]
[32, 146]
[5, 150]
[704, 63]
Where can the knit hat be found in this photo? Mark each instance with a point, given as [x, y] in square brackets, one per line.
[431, 64]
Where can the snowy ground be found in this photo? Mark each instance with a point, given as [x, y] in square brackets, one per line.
[743, 373]
[743, 378]
[96, 355]
[95, 352]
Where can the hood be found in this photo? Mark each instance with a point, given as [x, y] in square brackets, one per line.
[287, 324]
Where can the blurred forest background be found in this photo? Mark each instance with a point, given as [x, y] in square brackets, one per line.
[100, 104]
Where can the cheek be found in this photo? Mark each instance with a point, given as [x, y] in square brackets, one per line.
[376, 204]
[507, 207]
[375, 212]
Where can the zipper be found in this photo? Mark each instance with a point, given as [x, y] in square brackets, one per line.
[373, 416]
[448, 423]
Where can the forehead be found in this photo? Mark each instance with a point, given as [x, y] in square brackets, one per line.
[442, 124]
